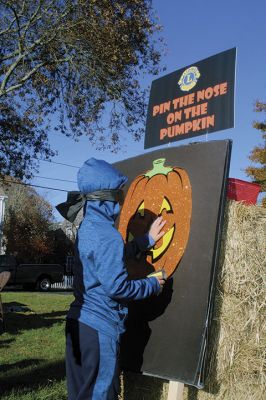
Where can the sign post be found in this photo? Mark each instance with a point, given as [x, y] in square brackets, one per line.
[175, 391]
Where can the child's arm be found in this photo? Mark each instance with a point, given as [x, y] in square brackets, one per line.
[112, 274]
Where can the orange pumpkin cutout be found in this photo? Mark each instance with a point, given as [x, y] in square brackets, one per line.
[162, 191]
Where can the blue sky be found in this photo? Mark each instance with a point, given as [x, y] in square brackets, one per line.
[192, 31]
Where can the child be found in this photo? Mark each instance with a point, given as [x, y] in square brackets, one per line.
[96, 317]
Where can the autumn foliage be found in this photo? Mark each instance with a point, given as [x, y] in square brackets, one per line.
[27, 221]
[257, 171]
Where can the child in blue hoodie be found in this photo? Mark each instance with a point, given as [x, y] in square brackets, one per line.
[96, 317]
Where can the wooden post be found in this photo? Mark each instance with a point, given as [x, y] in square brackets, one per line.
[175, 391]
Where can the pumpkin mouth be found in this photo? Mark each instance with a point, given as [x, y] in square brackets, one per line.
[167, 239]
[157, 253]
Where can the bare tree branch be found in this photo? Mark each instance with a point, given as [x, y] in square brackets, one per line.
[8, 74]
[8, 29]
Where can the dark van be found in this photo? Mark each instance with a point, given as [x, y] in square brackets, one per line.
[31, 276]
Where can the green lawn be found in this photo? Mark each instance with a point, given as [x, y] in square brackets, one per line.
[32, 352]
[32, 347]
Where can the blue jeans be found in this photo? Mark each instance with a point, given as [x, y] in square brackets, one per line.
[91, 363]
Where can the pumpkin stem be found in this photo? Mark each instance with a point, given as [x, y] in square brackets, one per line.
[158, 168]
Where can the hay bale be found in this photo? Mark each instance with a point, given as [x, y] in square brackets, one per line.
[238, 351]
[236, 361]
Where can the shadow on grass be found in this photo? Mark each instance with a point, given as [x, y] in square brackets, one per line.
[32, 377]
[19, 364]
[55, 314]
[20, 320]
[6, 342]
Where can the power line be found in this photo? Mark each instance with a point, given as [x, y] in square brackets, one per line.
[29, 184]
[53, 179]
[55, 162]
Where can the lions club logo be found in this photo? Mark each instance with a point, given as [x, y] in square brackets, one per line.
[189, 78]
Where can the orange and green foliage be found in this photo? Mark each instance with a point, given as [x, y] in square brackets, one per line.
[258, 154]
[26, 228]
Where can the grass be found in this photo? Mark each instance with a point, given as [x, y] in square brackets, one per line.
[32, 350]
[32, 347]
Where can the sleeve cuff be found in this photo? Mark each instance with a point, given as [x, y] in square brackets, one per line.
[150, 240]
[156, 284]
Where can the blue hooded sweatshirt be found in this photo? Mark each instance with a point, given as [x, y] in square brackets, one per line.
[101, 285]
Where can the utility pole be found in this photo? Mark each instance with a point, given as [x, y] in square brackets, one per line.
[2, 218]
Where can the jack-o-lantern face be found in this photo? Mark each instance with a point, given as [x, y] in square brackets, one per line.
[162, 191]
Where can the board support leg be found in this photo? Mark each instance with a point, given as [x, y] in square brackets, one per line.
[175, 391]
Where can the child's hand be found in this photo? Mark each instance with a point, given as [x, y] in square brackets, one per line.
[156, 229]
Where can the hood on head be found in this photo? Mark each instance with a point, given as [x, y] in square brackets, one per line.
[99, 175]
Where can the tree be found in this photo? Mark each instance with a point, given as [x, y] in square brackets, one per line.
[61, 247]
[73, 59]
[258, 154]
[27, 222]
[22, 142]
[29, 228]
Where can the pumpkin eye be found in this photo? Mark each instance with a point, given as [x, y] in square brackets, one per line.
[141, 209]
[130, 237]
[165, 206]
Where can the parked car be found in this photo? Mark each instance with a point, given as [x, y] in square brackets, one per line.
[31, 276]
